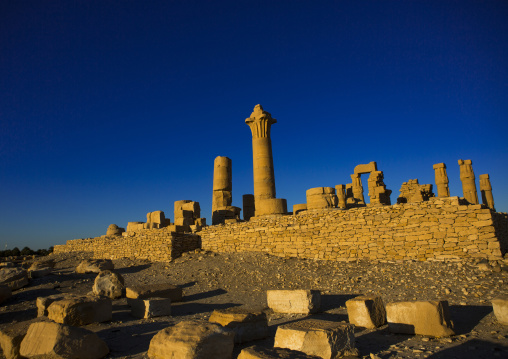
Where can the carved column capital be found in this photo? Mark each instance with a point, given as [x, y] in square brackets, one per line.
[260, 122]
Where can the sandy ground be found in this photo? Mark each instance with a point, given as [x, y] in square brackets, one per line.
[215, 281]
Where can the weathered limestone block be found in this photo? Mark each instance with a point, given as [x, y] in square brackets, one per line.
[294, 301]
[150, 308]
[43, 303]
[41, 268]
[468, 181]
[222, 186]
[14, 278]
[193, 208]
[53, 340]
[159, 290]
[247, 325]
[109, 284]
[114, 230]
[10, 340]
[366, 311]
[297, 208]
[357, 189]
[186, 213]
[340, 190]
[441, 180]
[322, 338]
[271, 206]
[94, 266]
[321, 197]
[80, 310]
[377, 189]
[192, 340]
[38, 273]
[500, 306]
[221, 215]
[430, 318]
[5, 293]
[367, 168]
[350, 199]
[257, 352]
[248, 206]
[486, 191]
[135, 226]
[411, 192]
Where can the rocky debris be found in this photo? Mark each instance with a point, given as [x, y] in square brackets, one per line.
[322, 338]
[14, 278]
[500, 306]
[366, 311]
[294, 301]
[257, 352]
[150, 308]
[94, 266]
[53, 340]
[80, 310]
[5, 293]
[109, 284]
[159, 290]
[247, 325]
[192, 340]
[431, 318]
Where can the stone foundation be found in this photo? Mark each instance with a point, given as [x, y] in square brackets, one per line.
[438, 229]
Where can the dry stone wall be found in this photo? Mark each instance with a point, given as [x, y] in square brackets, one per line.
[152, 244]
[438, 229]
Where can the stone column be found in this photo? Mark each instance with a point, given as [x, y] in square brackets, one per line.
[441, 180]
[357, 189]
[222, 183]
[468, 184]
[486, 191]
[260, 123]
[340, 189]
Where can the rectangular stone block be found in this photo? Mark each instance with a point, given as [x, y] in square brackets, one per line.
[366, 311]
[294, 301]
[500, 306]
[430, 318]
[247, 325]
[149, 308]
[321, 338]
[159, 290]
[80, 310]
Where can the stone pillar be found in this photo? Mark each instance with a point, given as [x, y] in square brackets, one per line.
[260, 123]
[357, 189]
[321, 197]
[486, 191]
[340, 189]
[222, 185]
[468, 184]
[248, 206]
[378, 193]
[441, 180]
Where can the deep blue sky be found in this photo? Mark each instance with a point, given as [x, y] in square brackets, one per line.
[112, 109]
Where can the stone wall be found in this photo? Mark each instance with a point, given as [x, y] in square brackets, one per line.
[152, 244]
[437, 229]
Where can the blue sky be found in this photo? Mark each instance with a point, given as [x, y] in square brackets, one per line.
[112, 109]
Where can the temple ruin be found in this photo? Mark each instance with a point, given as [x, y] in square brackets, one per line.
[335, 223]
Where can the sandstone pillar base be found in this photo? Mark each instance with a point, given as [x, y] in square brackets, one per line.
[271, 206]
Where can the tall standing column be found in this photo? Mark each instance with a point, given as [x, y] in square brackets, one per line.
[441, 180]
[486, 191]
[260, 123]
[222, 183]
[468, 184]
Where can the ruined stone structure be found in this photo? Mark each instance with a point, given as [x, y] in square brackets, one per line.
[321, 197]
[441, 180]
[260, 123]
[340, 190]
[468, 184]
[378, 193]
[222, 209]
[188, 216]
[114, 230]
[412, 191]
[486, 191]
[248, 206]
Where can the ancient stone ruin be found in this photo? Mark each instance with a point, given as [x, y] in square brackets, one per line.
[335, 223]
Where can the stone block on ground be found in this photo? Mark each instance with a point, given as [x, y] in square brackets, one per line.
[5, 293]
[192, 340]
[257, 352]
[109, 284]
[297, 301]
[11, 337]
[158, 290]
[247, 325]
[39, 264]
[366, 311]
[500, 306]
[14, 278]
[94, 266]
[53, 340]
[43, 303]
[431, 318]
[150, 307]
[80, 310]
[40, 272]
[322, 338]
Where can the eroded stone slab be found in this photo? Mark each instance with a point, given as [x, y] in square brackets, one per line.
[94, 265]
[257, 352]
[159, 290]
[297, 301]
[109, 284]
[430, 318]
[247, 325]
[500, 306]
[150, 307]
[14, 278]
[80, 310]
[366, 311]
[322, 338]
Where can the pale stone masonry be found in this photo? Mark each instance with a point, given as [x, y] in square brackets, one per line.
[438, 229]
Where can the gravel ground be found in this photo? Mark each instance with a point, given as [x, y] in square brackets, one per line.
[214, 281]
